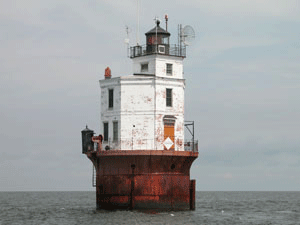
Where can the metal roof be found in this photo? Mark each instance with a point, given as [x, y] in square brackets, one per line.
[159, 30]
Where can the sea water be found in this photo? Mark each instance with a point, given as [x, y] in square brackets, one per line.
[211, 208]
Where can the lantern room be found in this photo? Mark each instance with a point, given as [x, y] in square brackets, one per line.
[157, 40]
[158, 43]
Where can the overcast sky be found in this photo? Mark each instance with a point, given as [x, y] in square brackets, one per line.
[242, 88]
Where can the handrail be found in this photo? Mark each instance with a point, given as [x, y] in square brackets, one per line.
[161, 49]
[144, 144]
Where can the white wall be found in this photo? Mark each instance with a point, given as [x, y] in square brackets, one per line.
[157, 65]
[110, 114]
[140, 104]
[177, 110]
[150, 59]
[137, 106]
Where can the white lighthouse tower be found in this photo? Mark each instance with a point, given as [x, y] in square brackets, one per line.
[145, 111]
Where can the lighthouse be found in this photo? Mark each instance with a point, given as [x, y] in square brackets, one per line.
[142, 159]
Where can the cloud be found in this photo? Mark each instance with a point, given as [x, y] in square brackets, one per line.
[285, 159]
[227, 176]
[245, 7]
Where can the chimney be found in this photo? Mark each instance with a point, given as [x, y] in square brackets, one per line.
[107, 74]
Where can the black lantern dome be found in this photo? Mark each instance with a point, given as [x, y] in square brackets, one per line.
[158, 30]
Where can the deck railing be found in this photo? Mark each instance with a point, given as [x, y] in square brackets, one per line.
[143, 144]
[190, 145]
[161, 49]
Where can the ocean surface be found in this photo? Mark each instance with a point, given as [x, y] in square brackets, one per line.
[211, 208]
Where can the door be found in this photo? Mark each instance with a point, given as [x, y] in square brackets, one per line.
[169, 136]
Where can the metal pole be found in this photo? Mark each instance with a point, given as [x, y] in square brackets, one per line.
[180, 29]
[156, 35]
[138, 23]
[193, 136]
[132, 137]
[132, 186]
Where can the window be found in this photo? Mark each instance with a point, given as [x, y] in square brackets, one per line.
[161, 49]
[115, 131]
[105, 131]
[110, 98]
[169, 97]
[169, 69]
[144, 67]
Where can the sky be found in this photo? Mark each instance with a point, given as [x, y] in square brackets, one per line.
[242, 88]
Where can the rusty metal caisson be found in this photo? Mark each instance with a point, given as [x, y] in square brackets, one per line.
[145, 179]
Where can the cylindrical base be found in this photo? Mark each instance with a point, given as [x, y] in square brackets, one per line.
[144, 180]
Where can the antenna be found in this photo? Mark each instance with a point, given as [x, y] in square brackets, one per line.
[180, 38]
[185, 36]
[138, 23]
[126, 41]
[157, 21]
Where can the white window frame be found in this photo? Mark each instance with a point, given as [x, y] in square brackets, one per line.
[169, 69]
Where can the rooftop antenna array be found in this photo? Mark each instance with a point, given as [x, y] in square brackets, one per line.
[186, 36]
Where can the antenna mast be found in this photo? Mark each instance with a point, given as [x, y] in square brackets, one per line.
[138, 23]
[157, 23]
[127, 40]
[180, 38]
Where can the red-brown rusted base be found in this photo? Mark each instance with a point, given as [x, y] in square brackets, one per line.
[144, 179]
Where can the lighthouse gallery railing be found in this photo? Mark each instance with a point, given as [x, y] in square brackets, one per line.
[170, 50]
[142, 144]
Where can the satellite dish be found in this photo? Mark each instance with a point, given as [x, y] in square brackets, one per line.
[187, 35]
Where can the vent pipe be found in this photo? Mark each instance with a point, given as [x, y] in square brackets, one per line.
[166, 18]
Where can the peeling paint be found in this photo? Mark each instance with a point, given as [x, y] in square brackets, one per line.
[139, 112]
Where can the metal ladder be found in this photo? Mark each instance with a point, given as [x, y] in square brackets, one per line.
[94, 177]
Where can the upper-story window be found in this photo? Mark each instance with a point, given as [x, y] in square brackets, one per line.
[144, 67]
[110, 98]
[169, 69]
[169, 97]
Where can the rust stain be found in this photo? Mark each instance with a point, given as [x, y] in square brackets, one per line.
[179, 127]
[179, 142]
[159, 117]
[148, 100]
[159, 135]
[161, 94]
